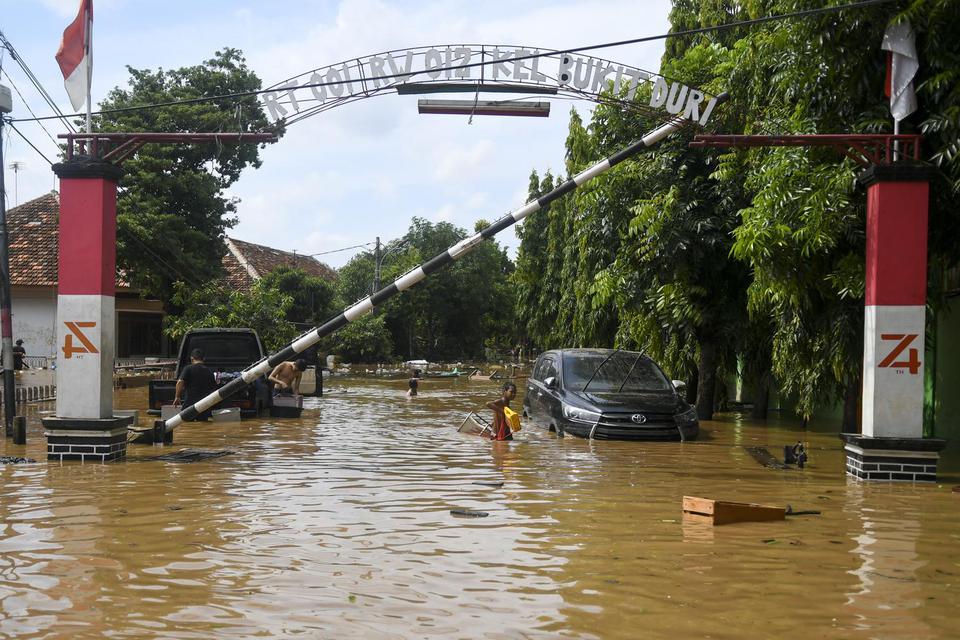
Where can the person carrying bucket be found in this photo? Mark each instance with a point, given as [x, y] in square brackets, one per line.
[501, 424]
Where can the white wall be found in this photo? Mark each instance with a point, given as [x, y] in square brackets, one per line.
[34, 320]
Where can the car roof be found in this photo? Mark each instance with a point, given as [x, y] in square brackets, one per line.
[591, 351]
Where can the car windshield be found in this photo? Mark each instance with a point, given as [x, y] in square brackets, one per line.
[622, 368]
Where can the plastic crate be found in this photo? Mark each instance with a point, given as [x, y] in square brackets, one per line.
[286, 406]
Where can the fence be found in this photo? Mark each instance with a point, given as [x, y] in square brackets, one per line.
[33, 393]
[36, 362]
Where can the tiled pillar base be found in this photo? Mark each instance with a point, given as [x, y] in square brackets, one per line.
[87, 440]
[892, 459]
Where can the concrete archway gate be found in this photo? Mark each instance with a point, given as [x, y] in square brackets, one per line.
[85, 427]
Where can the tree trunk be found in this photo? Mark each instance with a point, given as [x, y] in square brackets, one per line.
[761, 399]
[693, 379]
[851, 406]
[707, 376]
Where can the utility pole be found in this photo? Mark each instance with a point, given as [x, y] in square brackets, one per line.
[6, 316]
[376, 266]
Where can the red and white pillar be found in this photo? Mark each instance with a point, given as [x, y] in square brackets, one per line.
[84, 427]
[891, 446]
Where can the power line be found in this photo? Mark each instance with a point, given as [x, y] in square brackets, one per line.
[158, 260]
[323, 253]
[25, 139]
[676, 34]
[24, 101]
[7, 45]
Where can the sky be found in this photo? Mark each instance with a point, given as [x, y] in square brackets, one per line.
[363, 170]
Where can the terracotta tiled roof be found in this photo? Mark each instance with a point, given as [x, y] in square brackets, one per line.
[237, 276]
[261, 260]
[34, 238]
[33, 234]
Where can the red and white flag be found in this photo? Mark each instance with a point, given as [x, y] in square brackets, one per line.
[75, 55]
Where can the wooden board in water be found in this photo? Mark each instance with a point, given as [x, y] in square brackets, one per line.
[721, 512]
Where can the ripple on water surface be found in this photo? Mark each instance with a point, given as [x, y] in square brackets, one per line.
[338, 524]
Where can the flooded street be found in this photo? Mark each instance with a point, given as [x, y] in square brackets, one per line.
[338, 525]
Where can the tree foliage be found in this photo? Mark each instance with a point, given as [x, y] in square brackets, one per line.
[171, 209]
[455, 313]
[312, 296]
[748, 261]
[263, 308]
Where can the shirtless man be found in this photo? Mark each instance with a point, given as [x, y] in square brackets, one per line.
[286, 376]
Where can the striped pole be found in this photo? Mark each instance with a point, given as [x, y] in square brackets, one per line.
[409, 279]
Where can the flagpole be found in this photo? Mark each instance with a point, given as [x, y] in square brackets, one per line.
[89, 20]
[896, 143]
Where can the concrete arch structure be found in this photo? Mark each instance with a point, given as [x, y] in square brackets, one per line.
[474, 69]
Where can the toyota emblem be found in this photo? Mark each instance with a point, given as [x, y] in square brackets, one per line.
[638, 418]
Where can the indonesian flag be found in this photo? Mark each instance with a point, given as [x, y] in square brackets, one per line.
[902, 65]
[75, 55]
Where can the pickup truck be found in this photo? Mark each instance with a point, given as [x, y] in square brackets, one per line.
[226, 352]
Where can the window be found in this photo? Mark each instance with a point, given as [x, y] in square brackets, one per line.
[624, 371]
[539, 367]
[551, 368]
[139, 334]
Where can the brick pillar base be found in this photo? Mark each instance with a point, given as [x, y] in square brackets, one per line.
[87, 440]
[892, 459]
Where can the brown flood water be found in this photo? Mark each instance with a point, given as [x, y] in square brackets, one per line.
[338, 525]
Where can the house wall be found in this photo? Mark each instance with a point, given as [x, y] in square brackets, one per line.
[34, 319]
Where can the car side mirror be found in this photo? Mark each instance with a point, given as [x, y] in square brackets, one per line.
[551, 382]
[679, 385]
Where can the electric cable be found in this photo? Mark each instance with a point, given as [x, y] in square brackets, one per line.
[27, 105]
[323, 253]
[27, 140]
[8, 46]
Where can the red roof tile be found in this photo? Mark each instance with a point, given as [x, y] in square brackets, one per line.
[33, 232]
[262, 260]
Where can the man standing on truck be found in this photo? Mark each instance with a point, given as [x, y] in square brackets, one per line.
[286, 376]
[196, 383]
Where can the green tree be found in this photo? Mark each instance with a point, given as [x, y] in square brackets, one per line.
[263, 308]
[363, 340]
[803, 233]
[171, 209]
[527, 278]
[312, 296]
[451, 314]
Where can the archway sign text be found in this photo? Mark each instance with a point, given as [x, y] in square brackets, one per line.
[566, 74]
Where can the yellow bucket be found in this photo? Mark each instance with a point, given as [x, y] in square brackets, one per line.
[513, 418]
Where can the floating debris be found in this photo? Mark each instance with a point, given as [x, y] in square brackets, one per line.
[15, 460]
[486, 483]
[191, 455]
[764, 457]
[722, 512]
[468, 513]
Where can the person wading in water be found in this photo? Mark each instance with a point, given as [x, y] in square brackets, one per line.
[501, 428]
[413, 384]
[196, 383]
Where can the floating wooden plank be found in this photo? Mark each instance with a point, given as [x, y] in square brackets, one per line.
[722, 512]
[468, 513]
